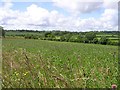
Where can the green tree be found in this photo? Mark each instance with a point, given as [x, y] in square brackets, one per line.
[49, 36]
[85, 40]
[80, 38]
[2, 32]
[30, 36]
[67, 37]
[90, 36]
[103, 40]
[62, 38]
[95, 40]
[74, 38]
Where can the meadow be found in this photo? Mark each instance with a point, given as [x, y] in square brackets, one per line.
[34, 63]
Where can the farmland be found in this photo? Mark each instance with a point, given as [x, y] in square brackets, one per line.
[103, 37]
[60, 44]
[34, 63]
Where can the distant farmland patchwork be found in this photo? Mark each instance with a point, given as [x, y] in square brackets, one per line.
[56, 35]
[39, 64]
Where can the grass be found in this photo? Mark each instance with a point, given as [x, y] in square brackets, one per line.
[41, 64]
[107, 35]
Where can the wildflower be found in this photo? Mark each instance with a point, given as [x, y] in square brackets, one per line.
[114, 86]
[25, 73]
[17, 74]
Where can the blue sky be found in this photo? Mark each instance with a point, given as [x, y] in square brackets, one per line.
[64, 15]
[22, 5]
[49, 6]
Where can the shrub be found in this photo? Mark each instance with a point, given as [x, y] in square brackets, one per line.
[31, 36]
[79, 39]
[103, 40]
[113, 43]
[73, 39]
[62, 38]
[85, 40]
[90, 36]
[95, 40]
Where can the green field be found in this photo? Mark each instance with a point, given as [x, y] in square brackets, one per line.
[48, 64]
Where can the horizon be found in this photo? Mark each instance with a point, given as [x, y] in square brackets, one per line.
[55, 15]
[22, 30]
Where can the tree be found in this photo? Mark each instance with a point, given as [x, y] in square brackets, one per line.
[72, 39]
[28, 36]
[103, 40]
[90, 36]
[49, 35]
[85, 40]
[62, 38]
[80, 38]
[95, 40]
[67, 37]
[2, 32]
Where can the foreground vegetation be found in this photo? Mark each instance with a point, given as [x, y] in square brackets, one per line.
[30, 63]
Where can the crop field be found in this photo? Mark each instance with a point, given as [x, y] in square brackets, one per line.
[29, 63]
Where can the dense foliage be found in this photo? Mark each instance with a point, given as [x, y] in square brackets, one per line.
[2, 32]
[110, 38]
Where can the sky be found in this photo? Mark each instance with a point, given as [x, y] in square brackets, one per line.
[64, 15]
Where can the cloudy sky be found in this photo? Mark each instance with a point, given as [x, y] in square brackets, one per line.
[69, 15]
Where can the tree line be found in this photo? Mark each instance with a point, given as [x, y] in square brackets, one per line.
[66, 36]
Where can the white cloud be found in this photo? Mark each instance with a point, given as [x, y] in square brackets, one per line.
[55, 18]
[6, 13]
[77, 6]
[107, 21]
[37, 14]
[110, 16]
[33, 15]
[110, 4]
